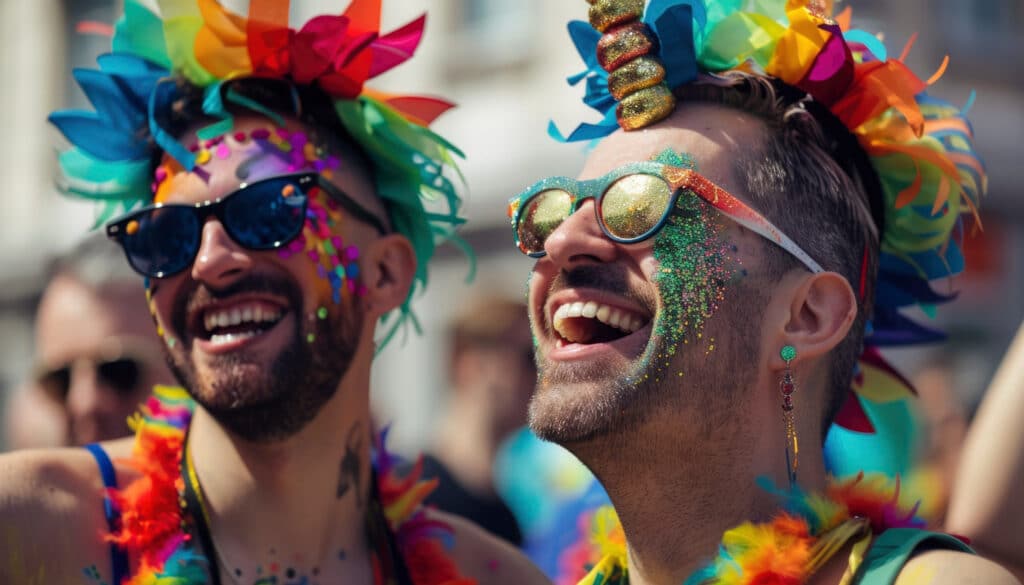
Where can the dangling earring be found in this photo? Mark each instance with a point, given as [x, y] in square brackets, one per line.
[786, 388]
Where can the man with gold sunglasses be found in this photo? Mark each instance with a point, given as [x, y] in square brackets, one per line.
[767, 191]
[277, 214]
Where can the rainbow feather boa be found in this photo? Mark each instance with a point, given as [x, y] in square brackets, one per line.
[150, 530]
[781, 551]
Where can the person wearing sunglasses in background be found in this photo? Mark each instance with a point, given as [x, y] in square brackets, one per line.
[279, 217]
[97, 354]
[702, 293]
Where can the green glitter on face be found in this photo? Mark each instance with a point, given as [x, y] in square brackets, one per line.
[692, 271]
[310, 338]
[321, 313]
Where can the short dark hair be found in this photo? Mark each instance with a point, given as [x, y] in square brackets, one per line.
[812, 180]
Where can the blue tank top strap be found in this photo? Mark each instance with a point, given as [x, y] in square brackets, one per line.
[118, 558]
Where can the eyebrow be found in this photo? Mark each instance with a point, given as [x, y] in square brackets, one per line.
[738, 211]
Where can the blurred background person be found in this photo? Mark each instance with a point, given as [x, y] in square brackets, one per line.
[96, 352]
[492, 375]
[985, 504]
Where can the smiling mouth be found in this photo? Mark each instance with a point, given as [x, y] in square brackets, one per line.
[231, 323]
[588, 323]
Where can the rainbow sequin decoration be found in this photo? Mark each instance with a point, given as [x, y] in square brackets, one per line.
[799, 540]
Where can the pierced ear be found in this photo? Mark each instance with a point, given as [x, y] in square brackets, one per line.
[388, 269]
[822, 310]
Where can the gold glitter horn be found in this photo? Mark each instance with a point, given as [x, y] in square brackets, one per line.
[636, 78]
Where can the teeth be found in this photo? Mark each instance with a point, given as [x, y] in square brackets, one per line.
[253, 313]
[592, 310]
[229, 337]
[615, 318]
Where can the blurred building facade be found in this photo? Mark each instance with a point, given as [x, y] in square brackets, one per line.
[505, 63]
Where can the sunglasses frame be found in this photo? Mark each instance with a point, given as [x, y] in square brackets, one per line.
[305, 181]
[679, 180]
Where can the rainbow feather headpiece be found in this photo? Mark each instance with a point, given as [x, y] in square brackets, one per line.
[116, 147]
[920, 147]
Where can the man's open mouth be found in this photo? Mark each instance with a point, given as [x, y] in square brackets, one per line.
[236, 321]
[591, 322]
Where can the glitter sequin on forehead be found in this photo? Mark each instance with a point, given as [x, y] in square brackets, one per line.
[270, 151]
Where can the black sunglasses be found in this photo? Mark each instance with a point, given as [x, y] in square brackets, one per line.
[122, 374]
[163, 239]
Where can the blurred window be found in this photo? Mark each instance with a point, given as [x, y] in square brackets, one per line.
[87, 27]
[491, 35]
[983, 31]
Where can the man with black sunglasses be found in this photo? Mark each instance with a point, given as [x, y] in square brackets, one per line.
[278, 214]
[97, 356]
[768, 191]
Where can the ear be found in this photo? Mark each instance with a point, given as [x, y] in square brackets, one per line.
[822, 309]
[388, 268]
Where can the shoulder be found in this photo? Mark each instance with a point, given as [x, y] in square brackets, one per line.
[51, 502]
[486, 558]
[940, 567]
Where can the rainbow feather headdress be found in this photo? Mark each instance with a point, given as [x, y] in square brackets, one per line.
[116, 148]
[920, 147]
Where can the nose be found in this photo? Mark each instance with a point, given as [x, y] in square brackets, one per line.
[88, 404]
[579, 239]
[219, 261]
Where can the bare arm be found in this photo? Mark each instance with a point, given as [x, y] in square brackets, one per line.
[488, 559]
[942, 567]
[987, 502]
[51, 519]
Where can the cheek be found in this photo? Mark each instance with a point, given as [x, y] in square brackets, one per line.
[695, 263]
[333, 264]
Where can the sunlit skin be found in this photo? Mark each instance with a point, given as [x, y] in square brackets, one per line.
[666, 448]
[220, 263]
[575, 376]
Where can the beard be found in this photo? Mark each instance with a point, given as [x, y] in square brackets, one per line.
[264, 402]
[699, 360]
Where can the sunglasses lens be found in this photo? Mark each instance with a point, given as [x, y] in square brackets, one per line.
[55, 383]
[163, 241]
[121, 374]
[634, 205]
[543, 213]
[266, 215]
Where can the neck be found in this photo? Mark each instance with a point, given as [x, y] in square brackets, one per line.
[676, 495]
[466, 444]
[300, 502]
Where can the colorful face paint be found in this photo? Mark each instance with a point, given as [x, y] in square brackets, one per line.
[270, 152]
[334, 261]
[694, 269]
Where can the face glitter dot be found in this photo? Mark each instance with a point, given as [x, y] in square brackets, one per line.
[321, 313]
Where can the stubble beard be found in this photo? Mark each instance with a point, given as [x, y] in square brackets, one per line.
[265, 403]
[600, 401]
